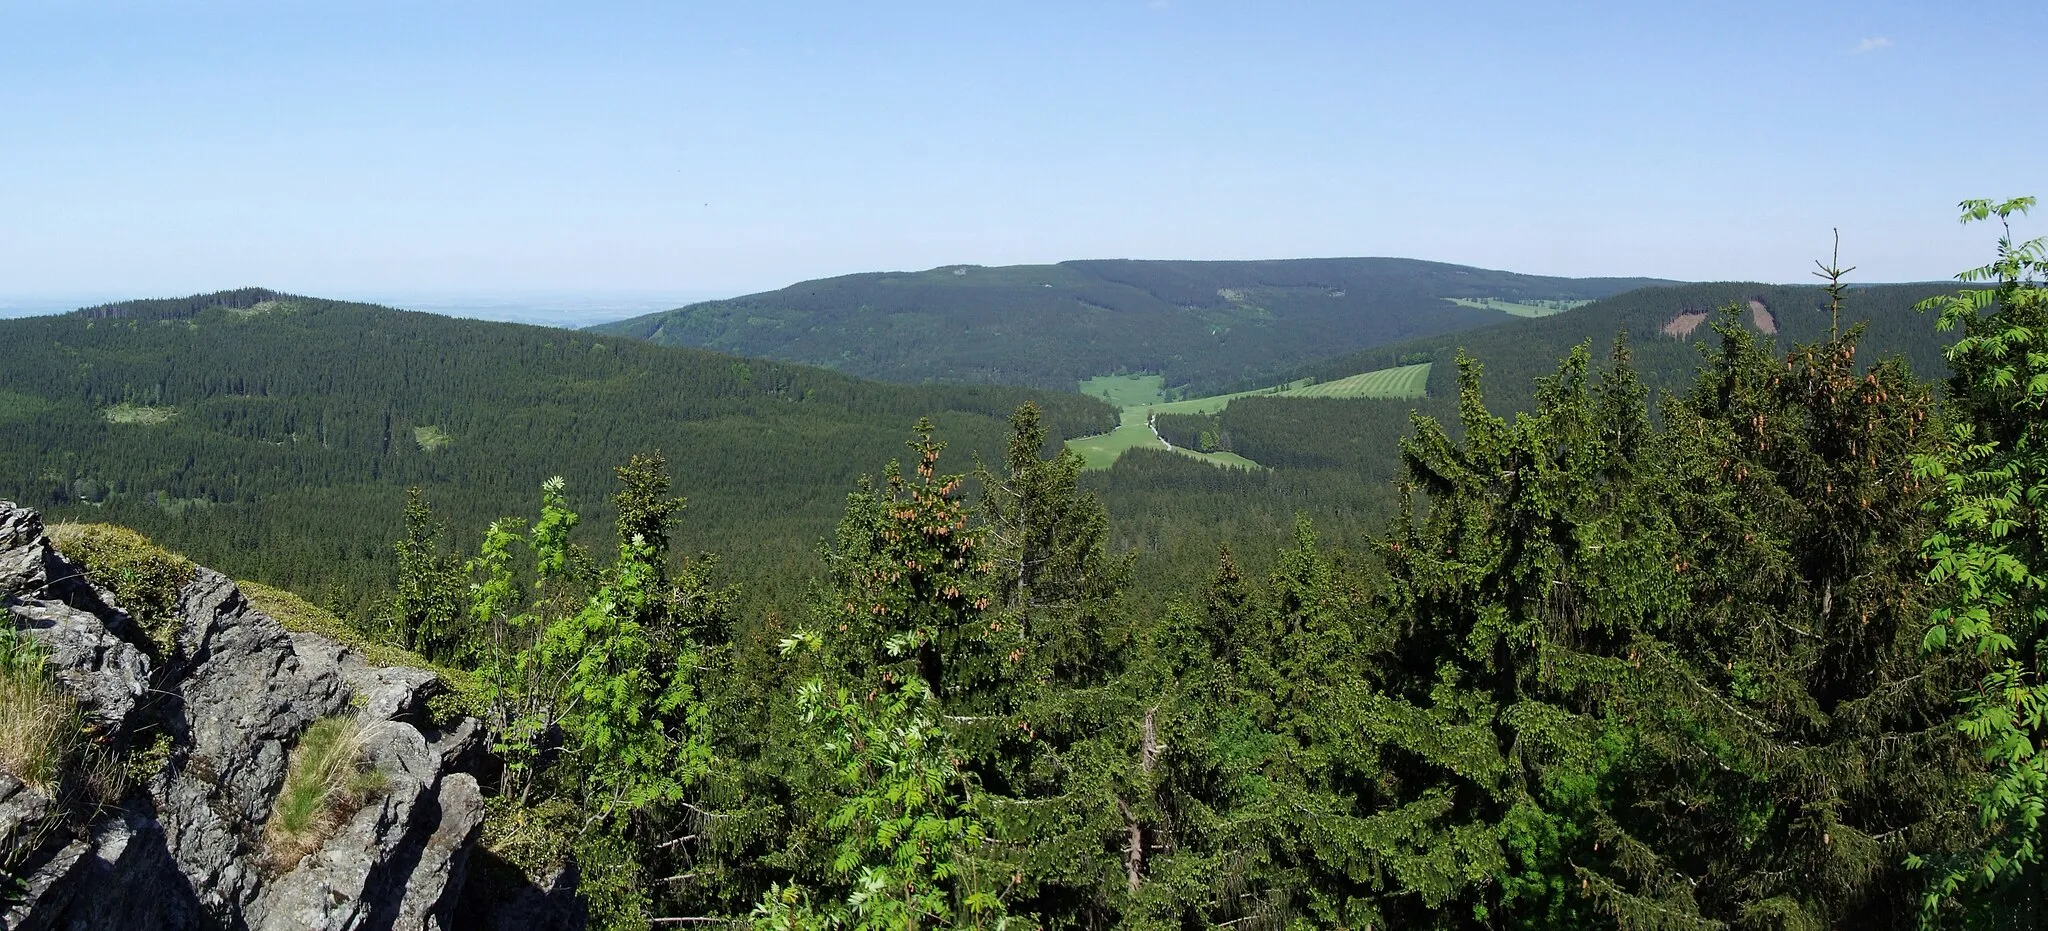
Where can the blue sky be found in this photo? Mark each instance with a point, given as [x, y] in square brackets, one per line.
[371, 148]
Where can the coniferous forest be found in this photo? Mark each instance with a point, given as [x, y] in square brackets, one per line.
[1754, 647]
[1154, 465]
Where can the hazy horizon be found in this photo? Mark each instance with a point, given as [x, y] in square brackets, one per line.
[545, 308]
[557, 308]
[385, 147]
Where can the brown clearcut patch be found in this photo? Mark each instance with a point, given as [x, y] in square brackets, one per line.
[1762, 317]
[1682, 325]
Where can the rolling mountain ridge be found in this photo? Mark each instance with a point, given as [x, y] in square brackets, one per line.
[1201, 324]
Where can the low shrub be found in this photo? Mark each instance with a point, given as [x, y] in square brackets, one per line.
[537, 838]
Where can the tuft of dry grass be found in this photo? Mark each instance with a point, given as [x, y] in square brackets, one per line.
[39, 721]
[325, 782]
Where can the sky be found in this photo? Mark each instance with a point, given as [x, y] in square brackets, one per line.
[645, 154]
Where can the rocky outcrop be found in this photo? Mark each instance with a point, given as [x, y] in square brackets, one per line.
[183, 847]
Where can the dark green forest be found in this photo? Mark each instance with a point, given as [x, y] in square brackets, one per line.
[1203, 325]
[1759, 652]
[1337, 460]
[1518, 352]
[1615, 630]
[274, 436]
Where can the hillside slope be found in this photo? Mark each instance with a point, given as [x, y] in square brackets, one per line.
[1335, 460]
[1201, 324]
[274, 436]
[1666, 327]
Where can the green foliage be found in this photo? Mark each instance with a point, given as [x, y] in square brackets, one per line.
[426, 609]
[144, 762]
[39, 721]
[537, 839]
[594, 677]
[1990, 554]
[911, 582]
[906, 827]
[1603, 617]
[144, 578]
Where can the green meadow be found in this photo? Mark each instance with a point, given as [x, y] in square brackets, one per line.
[1138, 397]
[1126, 390]
[1133, 431]
[1406, 381]
[1519, 309]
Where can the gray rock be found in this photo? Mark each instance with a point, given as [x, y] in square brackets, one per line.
[26, 816]
[459, 746]
[398, 860]
[128, 881]
[108, 675]
[22, 550]
[187, 850]
[49, 888]
[244, 699]
[47, 597]
[381, 693]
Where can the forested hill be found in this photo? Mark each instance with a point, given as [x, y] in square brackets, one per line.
[1666, 327]
[273, 435]
[1202, 324]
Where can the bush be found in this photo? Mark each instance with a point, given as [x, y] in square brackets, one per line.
[326, 781]
[145, 579]
[537, 839]
[39, 722]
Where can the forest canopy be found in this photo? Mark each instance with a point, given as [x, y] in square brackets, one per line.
[1758, 647]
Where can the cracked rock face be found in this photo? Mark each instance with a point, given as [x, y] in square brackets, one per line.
[184, 848]
[75, 623]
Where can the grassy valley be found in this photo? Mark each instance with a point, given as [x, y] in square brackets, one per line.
[1143, 404]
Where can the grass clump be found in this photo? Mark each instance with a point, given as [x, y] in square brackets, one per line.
[145, 578]
[39, 721]
[325, 782]
[466, 695]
